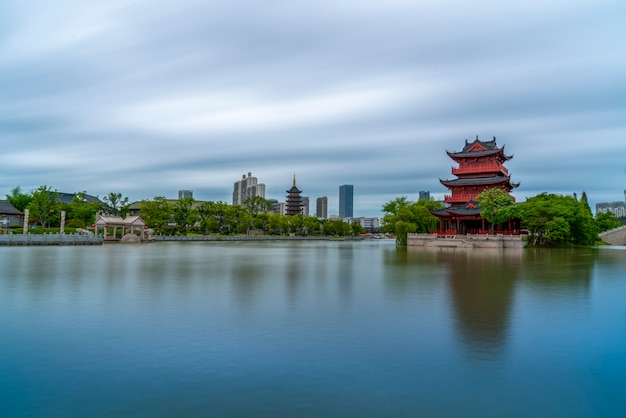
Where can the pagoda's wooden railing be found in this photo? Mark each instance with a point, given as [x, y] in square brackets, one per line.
[479, 168]
[459, 197]
[453, 232]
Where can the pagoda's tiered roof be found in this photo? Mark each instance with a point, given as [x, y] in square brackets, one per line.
[293, 205]
[471, 181]
[468, 209]
[479, 148]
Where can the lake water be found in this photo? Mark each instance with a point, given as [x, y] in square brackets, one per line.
[311, 329]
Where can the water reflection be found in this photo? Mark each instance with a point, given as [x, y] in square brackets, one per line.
[345, 271]
[311, 329]
[482, 285]
[559, 271]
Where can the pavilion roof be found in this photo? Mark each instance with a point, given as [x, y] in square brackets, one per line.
[479, 148]
[119, 221]
[7, 208]
[470, 208]
[479, 181]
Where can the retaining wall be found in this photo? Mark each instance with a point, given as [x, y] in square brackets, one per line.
[466, 241]
[50, 239]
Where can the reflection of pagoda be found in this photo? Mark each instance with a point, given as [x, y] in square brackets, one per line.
[293, 206]
[480, 167]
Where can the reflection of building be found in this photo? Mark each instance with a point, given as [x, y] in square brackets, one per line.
[616, 208]
[322, 207]
[293, 205]
[247, 187]
[480, 168]
[482, 287]
[346, 200]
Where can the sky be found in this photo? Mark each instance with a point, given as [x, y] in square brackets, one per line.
[148, 97]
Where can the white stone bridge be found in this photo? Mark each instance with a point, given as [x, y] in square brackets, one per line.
[615, 236]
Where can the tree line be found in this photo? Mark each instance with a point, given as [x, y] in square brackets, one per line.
[255, 216]
[550, 219]
[44, 207]
[182, 217]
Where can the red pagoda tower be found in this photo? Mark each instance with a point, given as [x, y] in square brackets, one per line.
[480, 167]
[293, 205]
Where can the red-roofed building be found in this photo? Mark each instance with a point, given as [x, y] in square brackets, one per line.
[480, 167]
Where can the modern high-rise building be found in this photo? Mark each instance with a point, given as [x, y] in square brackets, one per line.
[305, 205]
[247, 187]
[322, 207]
[346, 201]
[616, 208]
[424, 195]
[184, 193]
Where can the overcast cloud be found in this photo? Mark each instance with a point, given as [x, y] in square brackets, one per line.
[149, 97]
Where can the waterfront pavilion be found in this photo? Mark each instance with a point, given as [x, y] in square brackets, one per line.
[127, 225]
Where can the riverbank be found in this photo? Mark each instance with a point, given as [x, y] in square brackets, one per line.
[170, 238]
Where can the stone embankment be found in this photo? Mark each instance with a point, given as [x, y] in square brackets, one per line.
[50, 239]
[465, 241]
[615, 236]
[251, 238]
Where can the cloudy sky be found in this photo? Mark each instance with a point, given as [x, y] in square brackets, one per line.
[146, 97]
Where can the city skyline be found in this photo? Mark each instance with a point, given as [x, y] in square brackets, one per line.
[148, 98]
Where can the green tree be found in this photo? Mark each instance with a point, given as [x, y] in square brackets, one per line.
[256, 205]
[585, 203]
[156, 213]
[357, 228]
[184, 214]
[210, 216]
[261, 222]
[557, 220]
[116, 204]
[401, 216]
[606, 221]
[44, 207]
[312, 225]
[336, 228]
[494, 204]
[402, 230]
[80, 212]
[277, 224]
[18, 199]
[296, 223]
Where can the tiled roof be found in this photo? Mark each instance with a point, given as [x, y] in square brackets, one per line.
[479, 148]
[467, 209]
[7, 208]
[477, 180]
[67, 198]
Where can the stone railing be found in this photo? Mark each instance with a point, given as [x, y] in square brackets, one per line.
[49, 239]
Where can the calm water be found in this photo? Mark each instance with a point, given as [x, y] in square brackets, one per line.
[311, 329]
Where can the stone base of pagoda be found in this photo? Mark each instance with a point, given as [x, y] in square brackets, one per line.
[465, 241]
